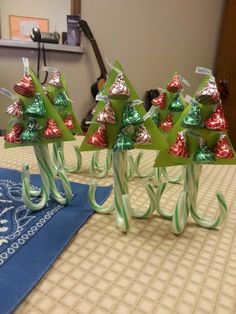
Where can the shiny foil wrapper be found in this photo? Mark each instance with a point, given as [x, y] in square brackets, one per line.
[62, 100]
[123, 143]
[99, 137]
[119, 87]
[159, 101]
[175, 85]
[15, 109]
[223, 148]
[204, 155]
[142, 135]
[179, 148]
[107, 115]
[176, 105]
[36, 109]
[210, 94]
[217, 120]
[52, 130]
[69, 122]
[31, 134]
[14, 135]
[194, 118]
[131, 116]
[156, 118]
[56, 80]
[167, 124]
[25, 87]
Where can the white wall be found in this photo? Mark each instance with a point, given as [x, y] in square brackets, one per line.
[32, 8]
[152, 39]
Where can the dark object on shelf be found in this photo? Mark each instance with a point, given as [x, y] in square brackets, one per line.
[64, 38]
[149, 96]
[41, 37]
[73, 30]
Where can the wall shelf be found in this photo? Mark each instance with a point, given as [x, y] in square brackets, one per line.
[32, 45]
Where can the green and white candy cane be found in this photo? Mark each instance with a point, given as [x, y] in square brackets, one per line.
[121, 203]
[27, 192]
[139, 173]
[99, 171]
[70, 169]
[193, 173]
[156, 173]
[120, 188]
[48, 181]
[187, 203]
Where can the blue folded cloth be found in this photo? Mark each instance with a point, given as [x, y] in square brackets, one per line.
[31, 241]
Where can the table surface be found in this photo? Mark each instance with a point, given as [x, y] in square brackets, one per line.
[148, 270]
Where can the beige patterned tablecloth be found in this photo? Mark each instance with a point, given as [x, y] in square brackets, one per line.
[149, 270]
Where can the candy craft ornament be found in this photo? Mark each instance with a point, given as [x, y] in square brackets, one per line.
[107, 115]
[223, 148]
[99, 137]
[209, 95]
[119, 87]
[142, 135]
[15, 109]
[203, 154]
[31, 134]
[36, 109]
[56, 80]
[14, 135]
[203, 124]
[159, 101]
[61, 100]
[58, 93]
[69, 122]
[52, 130]
[179, 148]
[25, 87]
[175, 85]
[217, 120]
[167, 124]
[193, 119]
[123, 143]
[131, 116]
[133, 128]
[176, 105]
[39, 125]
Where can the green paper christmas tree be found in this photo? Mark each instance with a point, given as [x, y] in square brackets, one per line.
[120, 124]
[169, 104]
[57, 92]
[199, 137]
[37, 121]
[34, 121]
[200, 134]
[124, 126]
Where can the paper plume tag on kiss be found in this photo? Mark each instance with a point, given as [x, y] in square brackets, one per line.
[201, 70]
[7, 93]
[183, 80]
[26, 65]
[49, 69]
[190, 100]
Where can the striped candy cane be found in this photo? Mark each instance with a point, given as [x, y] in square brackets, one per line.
[187, 203]
[70, 169]
[48, 180]
[96, 169]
